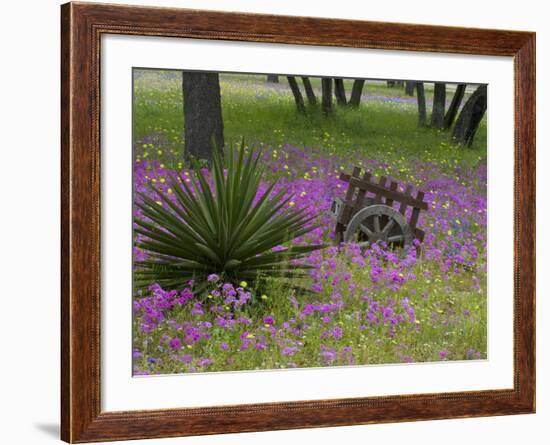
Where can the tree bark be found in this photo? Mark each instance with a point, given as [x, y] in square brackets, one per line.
[390, 83]
[326, 85]
[409, 88]
[340, 92]
[421, 100]
[297, 94]
[438, 109]
[274, 78]
[455, 105]
[470, 117]
[356, 92]
[202, 110]
[312, 100]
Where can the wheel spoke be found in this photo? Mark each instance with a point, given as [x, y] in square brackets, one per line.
[388, 226]
[395, 238]
[365, 230]
[377, 223]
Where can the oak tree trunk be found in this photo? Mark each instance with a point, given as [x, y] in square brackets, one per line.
[312, 100]
[356, 92]
[421, 100]
[470, 117]
[438, 109]
[203, 123]
[297, 94]
[455, 105]
[274, 78]
[409, 88]
[326, 86]
[340, 92]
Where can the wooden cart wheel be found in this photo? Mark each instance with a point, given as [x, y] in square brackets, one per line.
[379, 223]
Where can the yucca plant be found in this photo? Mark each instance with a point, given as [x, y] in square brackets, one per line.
[228, 229]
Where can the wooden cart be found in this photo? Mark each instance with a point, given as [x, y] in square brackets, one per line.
[375, 211]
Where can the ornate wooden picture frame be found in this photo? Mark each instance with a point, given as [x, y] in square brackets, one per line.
[82, 25]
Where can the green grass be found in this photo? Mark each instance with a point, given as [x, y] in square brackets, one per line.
[451, 313]
[266, 115]
[441, 326]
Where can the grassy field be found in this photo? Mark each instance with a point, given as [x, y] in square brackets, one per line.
[363, 307]
[384, 127]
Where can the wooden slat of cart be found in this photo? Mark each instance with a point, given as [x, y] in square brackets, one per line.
[419, 234]
[416, 211]
[361, 193]
[406, 202]
[393, 188]
[347, 209]
[381, 193]
[404, 198]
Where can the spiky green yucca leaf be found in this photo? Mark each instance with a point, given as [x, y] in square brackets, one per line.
[221, 229]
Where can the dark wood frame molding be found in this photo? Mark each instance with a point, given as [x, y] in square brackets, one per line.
[82, 25]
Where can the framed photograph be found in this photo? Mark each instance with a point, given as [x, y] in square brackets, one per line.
[275, 222]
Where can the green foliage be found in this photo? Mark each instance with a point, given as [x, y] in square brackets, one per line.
[228, 229]
[380, 128]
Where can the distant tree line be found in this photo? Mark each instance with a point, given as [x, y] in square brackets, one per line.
[465, 126]
[331, 88]
[467, 122]
[203, 123]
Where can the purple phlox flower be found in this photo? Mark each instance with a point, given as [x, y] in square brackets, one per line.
[405, 302]
[213, 278]
[197, 309]
[186, 358]
[328, 354]
[204, 362]
[317, 287]
[289, 351]
[337, 332]
[175, 343]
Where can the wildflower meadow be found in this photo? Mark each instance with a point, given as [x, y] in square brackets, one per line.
[236, 262]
